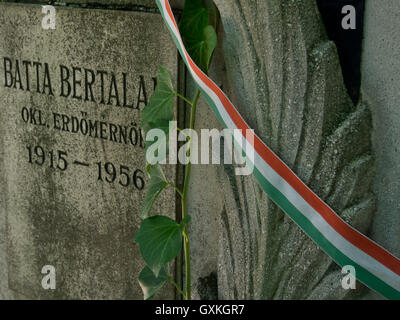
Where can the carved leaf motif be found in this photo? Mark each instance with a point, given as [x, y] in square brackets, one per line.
[286, 81]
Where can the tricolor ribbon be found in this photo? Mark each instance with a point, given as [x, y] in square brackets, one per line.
[375, 267]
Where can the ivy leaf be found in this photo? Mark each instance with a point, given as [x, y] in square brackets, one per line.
[156, 185]
[160, 240]
[160, 110]
[151, 284]
[195, 18]
[198, 35]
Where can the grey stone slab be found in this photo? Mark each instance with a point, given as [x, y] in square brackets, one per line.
[381, 86]
[71, 216]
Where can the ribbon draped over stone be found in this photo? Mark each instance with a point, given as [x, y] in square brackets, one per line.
[375, 267]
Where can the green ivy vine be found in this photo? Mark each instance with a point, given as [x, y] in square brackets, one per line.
[161, 238]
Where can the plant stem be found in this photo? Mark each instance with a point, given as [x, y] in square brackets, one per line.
[183, 98]
[186, 242]
[176, 188]
[177, 287]
[181, 131]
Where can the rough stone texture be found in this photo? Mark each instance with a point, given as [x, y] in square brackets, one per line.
[381, 87]
[205, 201]
[5, 292]
[286, 81]
[145, 3]
[69, 219]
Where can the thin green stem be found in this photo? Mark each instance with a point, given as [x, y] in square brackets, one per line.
[184, 99]
[176, 188]
[181, 131]
[186, 242]
[177, 287]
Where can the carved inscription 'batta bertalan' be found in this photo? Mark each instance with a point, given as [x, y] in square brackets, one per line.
[72, 157]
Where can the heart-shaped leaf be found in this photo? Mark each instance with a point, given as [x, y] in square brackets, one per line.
[160, 240]
[160, 110]
[198, 35]
[156, 185]
[151, 284]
